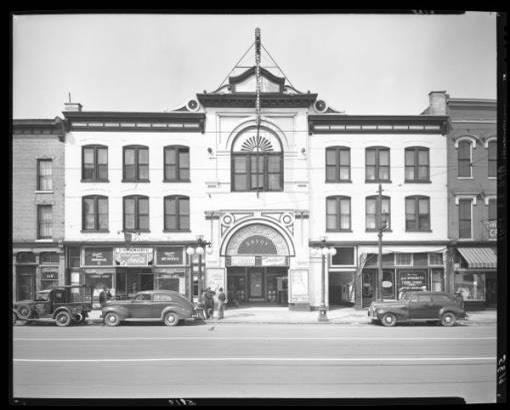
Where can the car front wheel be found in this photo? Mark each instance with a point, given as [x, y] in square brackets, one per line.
[389, 319]
[24, 312]
[171, 319]
[63, 319]
[112, 319]
[448, 319]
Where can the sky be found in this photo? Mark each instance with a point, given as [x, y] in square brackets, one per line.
[357, 63]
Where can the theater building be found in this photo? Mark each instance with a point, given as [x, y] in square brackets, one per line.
[472, 197]
[38, 259]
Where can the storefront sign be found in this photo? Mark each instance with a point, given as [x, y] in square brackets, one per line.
[169, 256]
[49, 275]
[492, 229]
[273, 261]
[242, 261]
[298, 286]
[413, 280]
[257, 244]
[98, 256]
[133, 256]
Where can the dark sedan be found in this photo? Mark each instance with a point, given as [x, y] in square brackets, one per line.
[159, 305]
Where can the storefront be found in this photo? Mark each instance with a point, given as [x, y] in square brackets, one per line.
[402, 272]
[475, 271]
[342, 271]
[35, 271]
[128, 270]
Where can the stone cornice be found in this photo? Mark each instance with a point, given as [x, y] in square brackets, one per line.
[377, 124]
[268, 100]
[27, 126]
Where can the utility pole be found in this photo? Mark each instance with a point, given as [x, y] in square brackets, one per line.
[380, 229]
[257, 103]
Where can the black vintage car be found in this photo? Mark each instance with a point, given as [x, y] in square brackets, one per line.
[157, 305]
[418, 306]
[63, 304]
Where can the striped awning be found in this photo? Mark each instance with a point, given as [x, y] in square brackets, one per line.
[479, 258]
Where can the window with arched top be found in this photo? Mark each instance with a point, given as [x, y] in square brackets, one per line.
[377, 164]
[338, 164]
[417, 213]
[176, 213]
[464, 158]
[338, 213]
[492, 149]
[135, 163]
[257, 161]
[176, 160]
[372, 211]
[417, 168]
[94, 213]
[136, 213]
[94, 163]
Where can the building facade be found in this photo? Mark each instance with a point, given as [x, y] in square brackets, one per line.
[38, 259]
[142, 188]
[472, 196]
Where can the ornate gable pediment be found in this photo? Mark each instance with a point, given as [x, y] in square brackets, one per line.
[246, 82]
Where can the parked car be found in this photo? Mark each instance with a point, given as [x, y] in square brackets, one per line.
[418, 306]
[158, 305]
[64, 304]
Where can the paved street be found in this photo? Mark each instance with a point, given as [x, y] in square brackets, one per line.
[254, 360]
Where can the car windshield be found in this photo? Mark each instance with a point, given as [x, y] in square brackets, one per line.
[43, 296]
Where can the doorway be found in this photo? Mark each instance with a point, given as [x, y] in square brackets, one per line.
[257, 284]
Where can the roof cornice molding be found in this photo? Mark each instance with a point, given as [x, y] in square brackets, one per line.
[40, 127]
[247, 100]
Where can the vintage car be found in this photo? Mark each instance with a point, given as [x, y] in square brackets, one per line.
[63, 304]
[418, 306]
[158, 305]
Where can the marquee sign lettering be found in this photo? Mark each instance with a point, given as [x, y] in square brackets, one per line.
[492, 229]
[257, 244]
[98, 256]
[169, 256]
[133, 256]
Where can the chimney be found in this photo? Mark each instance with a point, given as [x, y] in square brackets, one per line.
[437, 102]
[70, 106]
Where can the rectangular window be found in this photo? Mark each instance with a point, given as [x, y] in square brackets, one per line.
[252, 172]
[176, 164]
[436, 259]
[403, 259]
[493, 210]
[136, 164]
[343, 256]
[493, 155]
[465, 218]
[44, 175]
[470, 286]
[437, 280]
[338, 214]
[416, 164]
[377, 166]
[136, 213]
[464, 159]
[371, 213]
[417, 214]
[95, 213]
[44, 221]
[338, 164]
[94, 163]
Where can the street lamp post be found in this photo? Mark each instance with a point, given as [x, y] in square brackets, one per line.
[324, 250]
[199, 248]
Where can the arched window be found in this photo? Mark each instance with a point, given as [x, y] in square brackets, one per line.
[257, 161]
[338, 213]
[377, 163]
[338, 164]
[417, 213]
[417, 164]
[94, 163]
[176, 160]
[371, 213]
[136, 213]
[94, 213]
[493, 156]
[136, 163]
[176, 213]
[464, 158]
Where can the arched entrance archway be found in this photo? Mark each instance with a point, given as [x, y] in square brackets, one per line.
[257, 261]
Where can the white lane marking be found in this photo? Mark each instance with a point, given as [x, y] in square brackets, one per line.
[250, 338]
[271, 359]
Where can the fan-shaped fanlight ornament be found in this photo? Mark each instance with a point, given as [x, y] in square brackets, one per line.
[260, 144]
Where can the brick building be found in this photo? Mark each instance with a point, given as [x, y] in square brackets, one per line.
[472, 195]
[37, 205]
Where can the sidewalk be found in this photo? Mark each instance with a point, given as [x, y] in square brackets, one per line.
[337, 315]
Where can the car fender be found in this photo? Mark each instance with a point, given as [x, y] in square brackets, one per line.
[399, 313]
[122, 311]
[175, 309]
[457, 312]
[62, 309]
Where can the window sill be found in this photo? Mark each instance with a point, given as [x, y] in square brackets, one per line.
[176, 230]
[177, 180]
[86, 181]
[338, 230]
[372, 181]
[465, 177]
[412, 181]
[419, 230]
[95, 231]
[136, 230]
[377, 230]
[136, 181]
[343, 181]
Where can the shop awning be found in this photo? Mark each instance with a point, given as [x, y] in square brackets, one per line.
[479, 258]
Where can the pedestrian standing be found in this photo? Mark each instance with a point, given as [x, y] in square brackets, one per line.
[209, 302]
[221, 301]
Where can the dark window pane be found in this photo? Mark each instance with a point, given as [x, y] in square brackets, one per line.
[241, 182]
[171, 222]
[409, 173]
[343, 256]
[331, 173]
[143, 172]
[345, 157]
[170, 206]
[102, 171]
[370, 173]
[144, 222]
[129, 156]
[492, 209]
[170, 156]
[184, 206]
[331, 222]
[384, 157]
[273, 181]
[129, 172]
[345, 173]
[409, 157]
[370, 157]
[102, 156]
[184, 222]
[330, 157]
[170, 172]
[143, 156]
